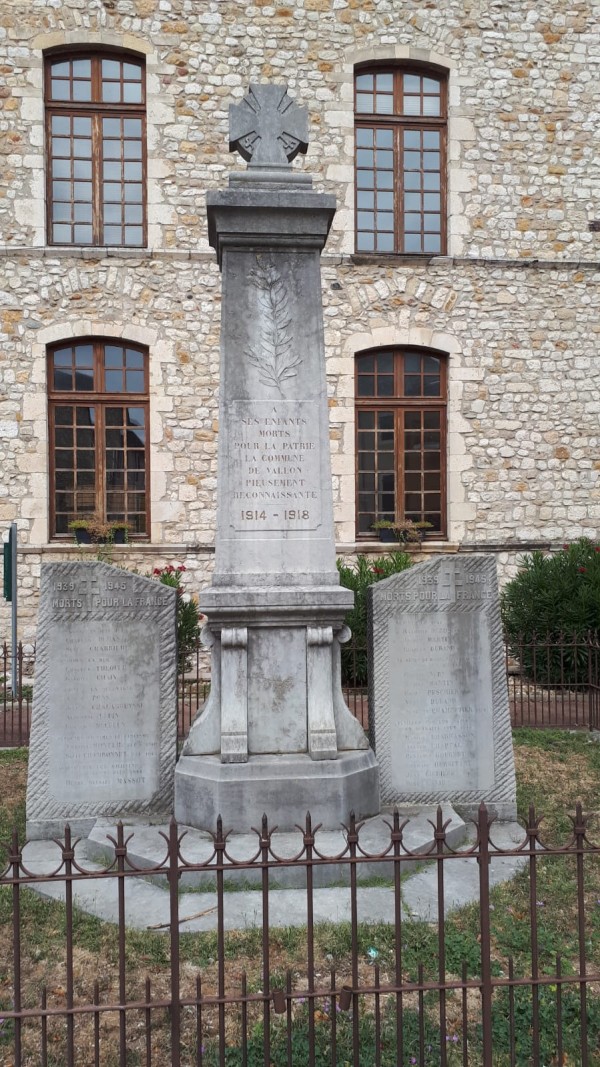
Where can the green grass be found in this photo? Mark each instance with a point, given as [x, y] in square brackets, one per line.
[556, 769]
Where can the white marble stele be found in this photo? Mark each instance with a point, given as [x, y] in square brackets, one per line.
[276, 735]
[104, 726]
[438, 704]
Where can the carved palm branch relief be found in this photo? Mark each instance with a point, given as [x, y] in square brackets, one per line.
[276, 359]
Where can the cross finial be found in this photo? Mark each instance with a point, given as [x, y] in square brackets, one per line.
[267, 128]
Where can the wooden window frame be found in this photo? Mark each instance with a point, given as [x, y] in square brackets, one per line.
[398, 123]
[399, 404]
[95, 109]
[99, 399]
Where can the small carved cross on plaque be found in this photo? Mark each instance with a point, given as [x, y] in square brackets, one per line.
[268, 129]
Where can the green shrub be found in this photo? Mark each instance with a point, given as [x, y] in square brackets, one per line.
[554, 598]
[358, 577]
[188, 614]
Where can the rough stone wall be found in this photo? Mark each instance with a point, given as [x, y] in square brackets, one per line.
[524, 391]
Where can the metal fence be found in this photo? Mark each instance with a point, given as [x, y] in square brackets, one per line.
[552, 682]
[439, 992]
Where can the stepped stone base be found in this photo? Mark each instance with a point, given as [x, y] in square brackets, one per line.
[289, 785]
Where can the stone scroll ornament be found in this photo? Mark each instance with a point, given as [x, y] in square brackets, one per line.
[268, 128]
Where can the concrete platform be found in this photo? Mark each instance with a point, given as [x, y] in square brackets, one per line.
[148, 847]
[147, 904]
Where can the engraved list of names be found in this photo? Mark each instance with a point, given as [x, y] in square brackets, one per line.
[104, 726]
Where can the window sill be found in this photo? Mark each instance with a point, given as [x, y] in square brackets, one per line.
[386, 259]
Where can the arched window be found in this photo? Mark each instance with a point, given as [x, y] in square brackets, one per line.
[98, 433]
[401, 438]
[96, 149]
[400, 120]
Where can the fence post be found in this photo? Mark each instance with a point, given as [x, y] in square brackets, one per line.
[173, 877]
[483, 860]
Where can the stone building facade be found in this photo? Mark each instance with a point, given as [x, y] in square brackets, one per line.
[512, 304]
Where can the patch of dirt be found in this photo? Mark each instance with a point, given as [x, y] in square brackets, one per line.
[14, 785]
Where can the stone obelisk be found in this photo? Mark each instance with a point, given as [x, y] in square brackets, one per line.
[276, 735]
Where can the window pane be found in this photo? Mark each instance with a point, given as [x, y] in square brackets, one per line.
[113, 381]
[84, 355]
[412, 139]
[412, 83]
[61, 168]
[134, 235]
[412, 242]
[63, 436]
[385, 362]
[364, 103]
[364, 81]
[432, 243]
[366, 420]
[385, 242]
[61, 190]
[365, 157]
[82, 127]
[112, 235]
[384, 104]
[132, 93]
[113, 356]
[431, 181]
[61, 234]
[112, 212]
[365, 242]
[385, 179]
[134, 381]
[431, 105]
[132, 150]
[63, 379]
[60, 90]
[364, 138]
[134, 359]
[385, 385]
[84, 380]
[384, 82]
[82, 68]
[412, 105]
[431, 139]
[132, 171]
[111, 92]
[132, 127]
[82, 169]
[82, 90]
[111, 68]
[365, 179]
[366, 385]
[431, 420]
[384, 138]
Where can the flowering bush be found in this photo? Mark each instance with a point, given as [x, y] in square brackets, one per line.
[188, 615]
[554, 595]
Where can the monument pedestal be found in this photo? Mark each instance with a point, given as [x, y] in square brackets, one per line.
[276, 735]
[284, 786]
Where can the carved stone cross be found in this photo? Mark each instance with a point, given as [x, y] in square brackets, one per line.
[267, 128]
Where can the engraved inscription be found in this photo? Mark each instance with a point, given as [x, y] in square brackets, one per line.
[441, 700]
[104, 712]
[275, 466]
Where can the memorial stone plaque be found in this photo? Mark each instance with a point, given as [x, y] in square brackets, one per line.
[104, 728]
[439, 716]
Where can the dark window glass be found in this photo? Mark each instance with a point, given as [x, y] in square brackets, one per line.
[400, 161]
[96, 153]
[99, 453]
[400, 438]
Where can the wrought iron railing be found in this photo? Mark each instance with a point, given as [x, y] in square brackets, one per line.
[552, 682]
